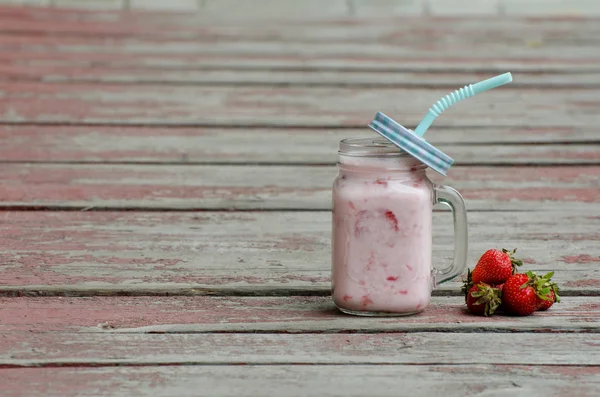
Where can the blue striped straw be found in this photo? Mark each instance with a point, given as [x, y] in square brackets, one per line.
[458, 95]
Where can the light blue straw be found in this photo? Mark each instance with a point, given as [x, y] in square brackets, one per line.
[458, 95]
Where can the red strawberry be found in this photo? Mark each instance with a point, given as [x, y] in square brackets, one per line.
[522, 293]
[482, 299]
[545, 304]
[495, 266]
[518, 295]
[549, 293]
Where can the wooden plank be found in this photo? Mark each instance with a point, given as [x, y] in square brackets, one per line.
[90, 4]
[487, 45]
[129, 30]
[70, 349]
[263, 253]
[199, 52]
[26, 2]
[170, 6]
[428, 63]
[22, 102]
[570, 8]
[464, 8]
[66, 73]
[361, 28]
[126, 144]
[292, 381]
[118, 186]
[385, 8]
[294, 314]
[223, 10]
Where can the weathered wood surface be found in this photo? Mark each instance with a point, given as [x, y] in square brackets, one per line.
[189, 187]
[418, 43]
[456, 45]
[489, 66]
[69, 349]
[226, 10]
[425, 29]
[262, 253]
[28, 71]
[27, 102]
[294, 314]
[122, 144]
[292, 381]
[175, 93]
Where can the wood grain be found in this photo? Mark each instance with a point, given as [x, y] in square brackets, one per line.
[466, 63]
[292, 381]
[262, 253]
[22, 102]
[294, 314]
[66, 73]
[76, 24]
[142, 41]
[191, 187]
[122, 144]
[419, 348]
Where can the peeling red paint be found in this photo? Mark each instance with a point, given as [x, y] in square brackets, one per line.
[575, 371]
[585, 195]
[584, 258]
[583, 283]
[57, 313]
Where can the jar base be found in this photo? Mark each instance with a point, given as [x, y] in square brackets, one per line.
[377, 314]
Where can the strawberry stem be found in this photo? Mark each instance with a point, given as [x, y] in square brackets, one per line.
[488, 296]
[515, 262]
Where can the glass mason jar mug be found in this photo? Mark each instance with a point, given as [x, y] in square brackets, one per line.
[382, 230]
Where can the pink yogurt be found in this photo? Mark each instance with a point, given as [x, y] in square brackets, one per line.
[382, 235]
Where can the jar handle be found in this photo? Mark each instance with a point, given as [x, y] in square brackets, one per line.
[453, 199]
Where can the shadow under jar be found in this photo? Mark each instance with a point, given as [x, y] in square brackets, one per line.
[382, 230]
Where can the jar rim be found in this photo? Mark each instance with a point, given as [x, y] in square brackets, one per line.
[370, 147]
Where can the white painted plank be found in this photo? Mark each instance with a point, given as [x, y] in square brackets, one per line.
[463, 8]
[378, 8]
[295, 381]
[90, 4]
[541, 8]
[419, 348]
[31, 102]
[26, 2]
[114, 144]
[269, 9]
[289, 314]
[268, 253]
[118, 186]
[165, 5]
